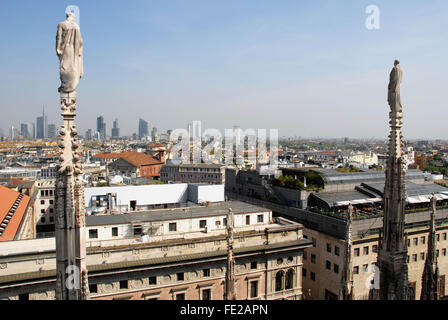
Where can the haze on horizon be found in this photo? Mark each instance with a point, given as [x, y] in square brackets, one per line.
[305, 68]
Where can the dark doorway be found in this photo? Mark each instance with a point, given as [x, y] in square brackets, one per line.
[133, 205]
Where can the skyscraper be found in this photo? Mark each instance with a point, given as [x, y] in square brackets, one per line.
[101, 127]
[41, 126]
[154, 134]
[115, 130]
[51, 131]
[142, 128]
[25, 130]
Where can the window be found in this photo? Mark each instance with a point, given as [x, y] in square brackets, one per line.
[253, 265]
[260, 218]
[247, 219]
[375, 248]
[313, 258]
[93, 234]
[51, 210]
[138, 230]
[409, 242]
[365, 267]
[123, 284]
[303, 272]
[51, 201]
[180, 276]
[314, 242]
[42, 193]
[365, 250]
[206, 272]
[356, 252]
[415, 240]
[444, 252]
[172, 226]
[51, 219]
[42, 219]
[444, 236]
[336, 268]
[93, 288]
[328, 265]
[115, 232]
[313, 276]
[438, 237]
[437, 253]
[279, 280]
[328, 247]
[289, 280]
[202, 223]
[42, 201]
[224, 222]
[336, 250]
[422, 239]
[180, 296]
[356, 270]
[152, 280]
[414, 257]
[422, 256]
[206, 294]
[217, 223]
[407, 259]
[254, 289]
[304, 255]
[42, 211]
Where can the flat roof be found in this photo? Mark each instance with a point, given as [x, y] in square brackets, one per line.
[214, 209]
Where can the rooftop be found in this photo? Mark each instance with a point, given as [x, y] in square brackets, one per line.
[215, 209]
[12, 208]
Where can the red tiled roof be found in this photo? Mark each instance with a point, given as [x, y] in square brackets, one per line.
[135, 158]
[8, 198]
[155, 145]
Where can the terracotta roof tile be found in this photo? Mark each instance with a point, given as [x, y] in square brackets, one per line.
[7, 199]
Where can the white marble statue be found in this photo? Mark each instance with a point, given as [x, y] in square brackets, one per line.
[393, 96]
[69, 51]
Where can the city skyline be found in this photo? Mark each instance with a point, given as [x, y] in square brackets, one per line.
[256, 65]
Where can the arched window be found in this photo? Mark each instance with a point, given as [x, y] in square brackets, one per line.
[279, 280]
[289, 281]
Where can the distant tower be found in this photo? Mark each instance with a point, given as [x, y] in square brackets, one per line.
[115, 130]
[230, 270]
[346, 292]
[431, 271]
[392, 254]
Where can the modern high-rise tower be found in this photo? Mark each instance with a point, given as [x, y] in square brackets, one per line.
[101, 127]
[142, 128]
[42, 126]
[115, 130]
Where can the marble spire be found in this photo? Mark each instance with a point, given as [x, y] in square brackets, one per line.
[392, 253]
[71, 269]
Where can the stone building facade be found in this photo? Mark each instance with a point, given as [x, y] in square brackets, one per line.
[181, 265]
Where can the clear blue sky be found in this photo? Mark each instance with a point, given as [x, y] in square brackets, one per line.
[307, 68]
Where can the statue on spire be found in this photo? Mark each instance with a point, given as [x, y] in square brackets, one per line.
[69, 50]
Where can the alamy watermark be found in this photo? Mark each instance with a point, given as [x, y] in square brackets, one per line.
[234, 147]
[373, 18]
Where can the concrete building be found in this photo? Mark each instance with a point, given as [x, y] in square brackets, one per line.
[177, 258]
[138, 198]
[193, 173]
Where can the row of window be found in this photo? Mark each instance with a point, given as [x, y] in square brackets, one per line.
[47, 193]
[365, 250]
[43, 201]
[172, 226]
[335, 266]
[416, 242]
[336, 249]
[423, 255]
[312, 274]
